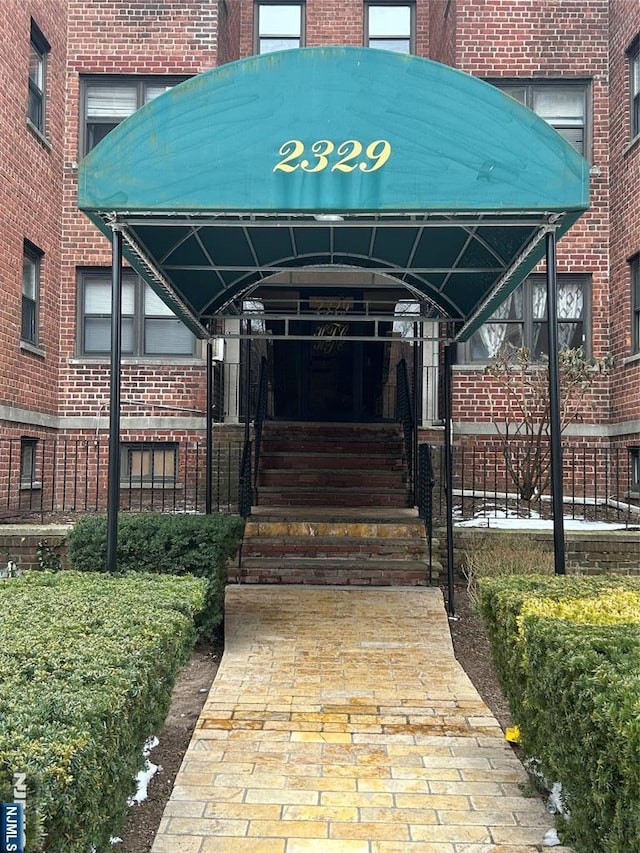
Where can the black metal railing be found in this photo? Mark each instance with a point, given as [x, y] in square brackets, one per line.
[261, 413]
[405, 414]
[245, 493]
[424, 490]
[56, 478]
[598, 485]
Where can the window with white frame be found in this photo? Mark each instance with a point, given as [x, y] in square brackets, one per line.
[278, 26]
[106, 101]
[635, 304]
[522, 320]
[149, 327]
[149, 465]
[39, 49]
[561, 104]
[31, 260]
[28, 457]
[390, 26]
[634, 87]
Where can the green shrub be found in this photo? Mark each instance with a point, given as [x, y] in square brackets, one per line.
[567, 650]
[200, 545]
[502, 554]
[87, 665]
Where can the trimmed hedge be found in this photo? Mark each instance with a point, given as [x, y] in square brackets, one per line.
[199, 545]
[568, 655]
[87, 666]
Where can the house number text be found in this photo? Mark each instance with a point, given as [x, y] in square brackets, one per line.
[325, 154]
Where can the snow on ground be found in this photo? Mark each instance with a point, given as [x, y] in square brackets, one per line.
[145, 776]
[507, 519]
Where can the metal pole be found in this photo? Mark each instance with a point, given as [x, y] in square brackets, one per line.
[555, 436]
[209, 439]
[113, 490]
[416, 410]
[448, 467]
[247, 390]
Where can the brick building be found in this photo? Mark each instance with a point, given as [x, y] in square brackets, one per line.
[74, 70]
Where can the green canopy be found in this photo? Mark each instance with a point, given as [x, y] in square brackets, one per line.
[349, 157]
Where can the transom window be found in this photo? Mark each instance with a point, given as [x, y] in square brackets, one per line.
[149, 465]
[279, 26]
[106, 101]
[30, 292]
[562, 105]
[38, 49]
[522, 320]
[634, 80]
[149, 327]
[635, 304]
[389, 26]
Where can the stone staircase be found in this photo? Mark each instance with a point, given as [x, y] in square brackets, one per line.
[333, 510]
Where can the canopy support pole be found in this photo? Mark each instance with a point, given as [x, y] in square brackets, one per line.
[209, 438]
[113, 490]
[449, 357]
[555, 429]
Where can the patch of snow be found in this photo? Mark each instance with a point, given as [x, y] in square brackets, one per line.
[115, 840]
[146, 775]
[516, 523]
[551, 839]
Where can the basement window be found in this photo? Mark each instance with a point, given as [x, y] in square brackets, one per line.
[149, 465]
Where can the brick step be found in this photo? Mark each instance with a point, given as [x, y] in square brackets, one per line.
[333, 546]
[340, 572]
[330, 478]
[290, 460]
[309, 444]
[273, 524]
[345, 497]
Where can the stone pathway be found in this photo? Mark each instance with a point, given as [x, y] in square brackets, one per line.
[340, 722]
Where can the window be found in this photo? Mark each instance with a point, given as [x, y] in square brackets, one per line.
[522, 319]
[634, 87]
[30, 292]
[389, 26]
[634, 472]
[149, 465]
[149, 327]
[279, 26]
[635, 304]
[38, 49]
[28, 455]
[106, 101]
[562, 105]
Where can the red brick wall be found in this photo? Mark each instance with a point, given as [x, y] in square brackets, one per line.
[625, 212]
[30, 190]
[442, 31]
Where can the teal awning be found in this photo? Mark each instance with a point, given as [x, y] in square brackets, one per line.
[334, 156]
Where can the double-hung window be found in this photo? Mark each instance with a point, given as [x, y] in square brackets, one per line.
[634, 87]
[522, 320]
[38, 49]
[31, 259]
[278, 26]
[561, 104]
[635, 304]
[149, 327]
[106, 101]
[390, 26]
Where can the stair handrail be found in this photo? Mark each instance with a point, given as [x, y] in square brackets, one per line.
[245, 487]
[426, 482]
[258, 421]
[404, 413]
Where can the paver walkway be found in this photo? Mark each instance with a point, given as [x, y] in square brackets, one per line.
[340, 722]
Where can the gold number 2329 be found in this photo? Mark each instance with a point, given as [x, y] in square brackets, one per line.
[324, 154]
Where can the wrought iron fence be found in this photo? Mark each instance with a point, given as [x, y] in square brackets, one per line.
[59, 477]
[598, 485]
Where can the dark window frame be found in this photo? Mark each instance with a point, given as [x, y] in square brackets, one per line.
[634, 470]
[106, 81]
[530, 85]
[392, 37]
[528, 323]
[258, 35]
[138, 319]
[157, 477]
[633, 56]
[37, 99]
[30, 310]
[634, 265]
